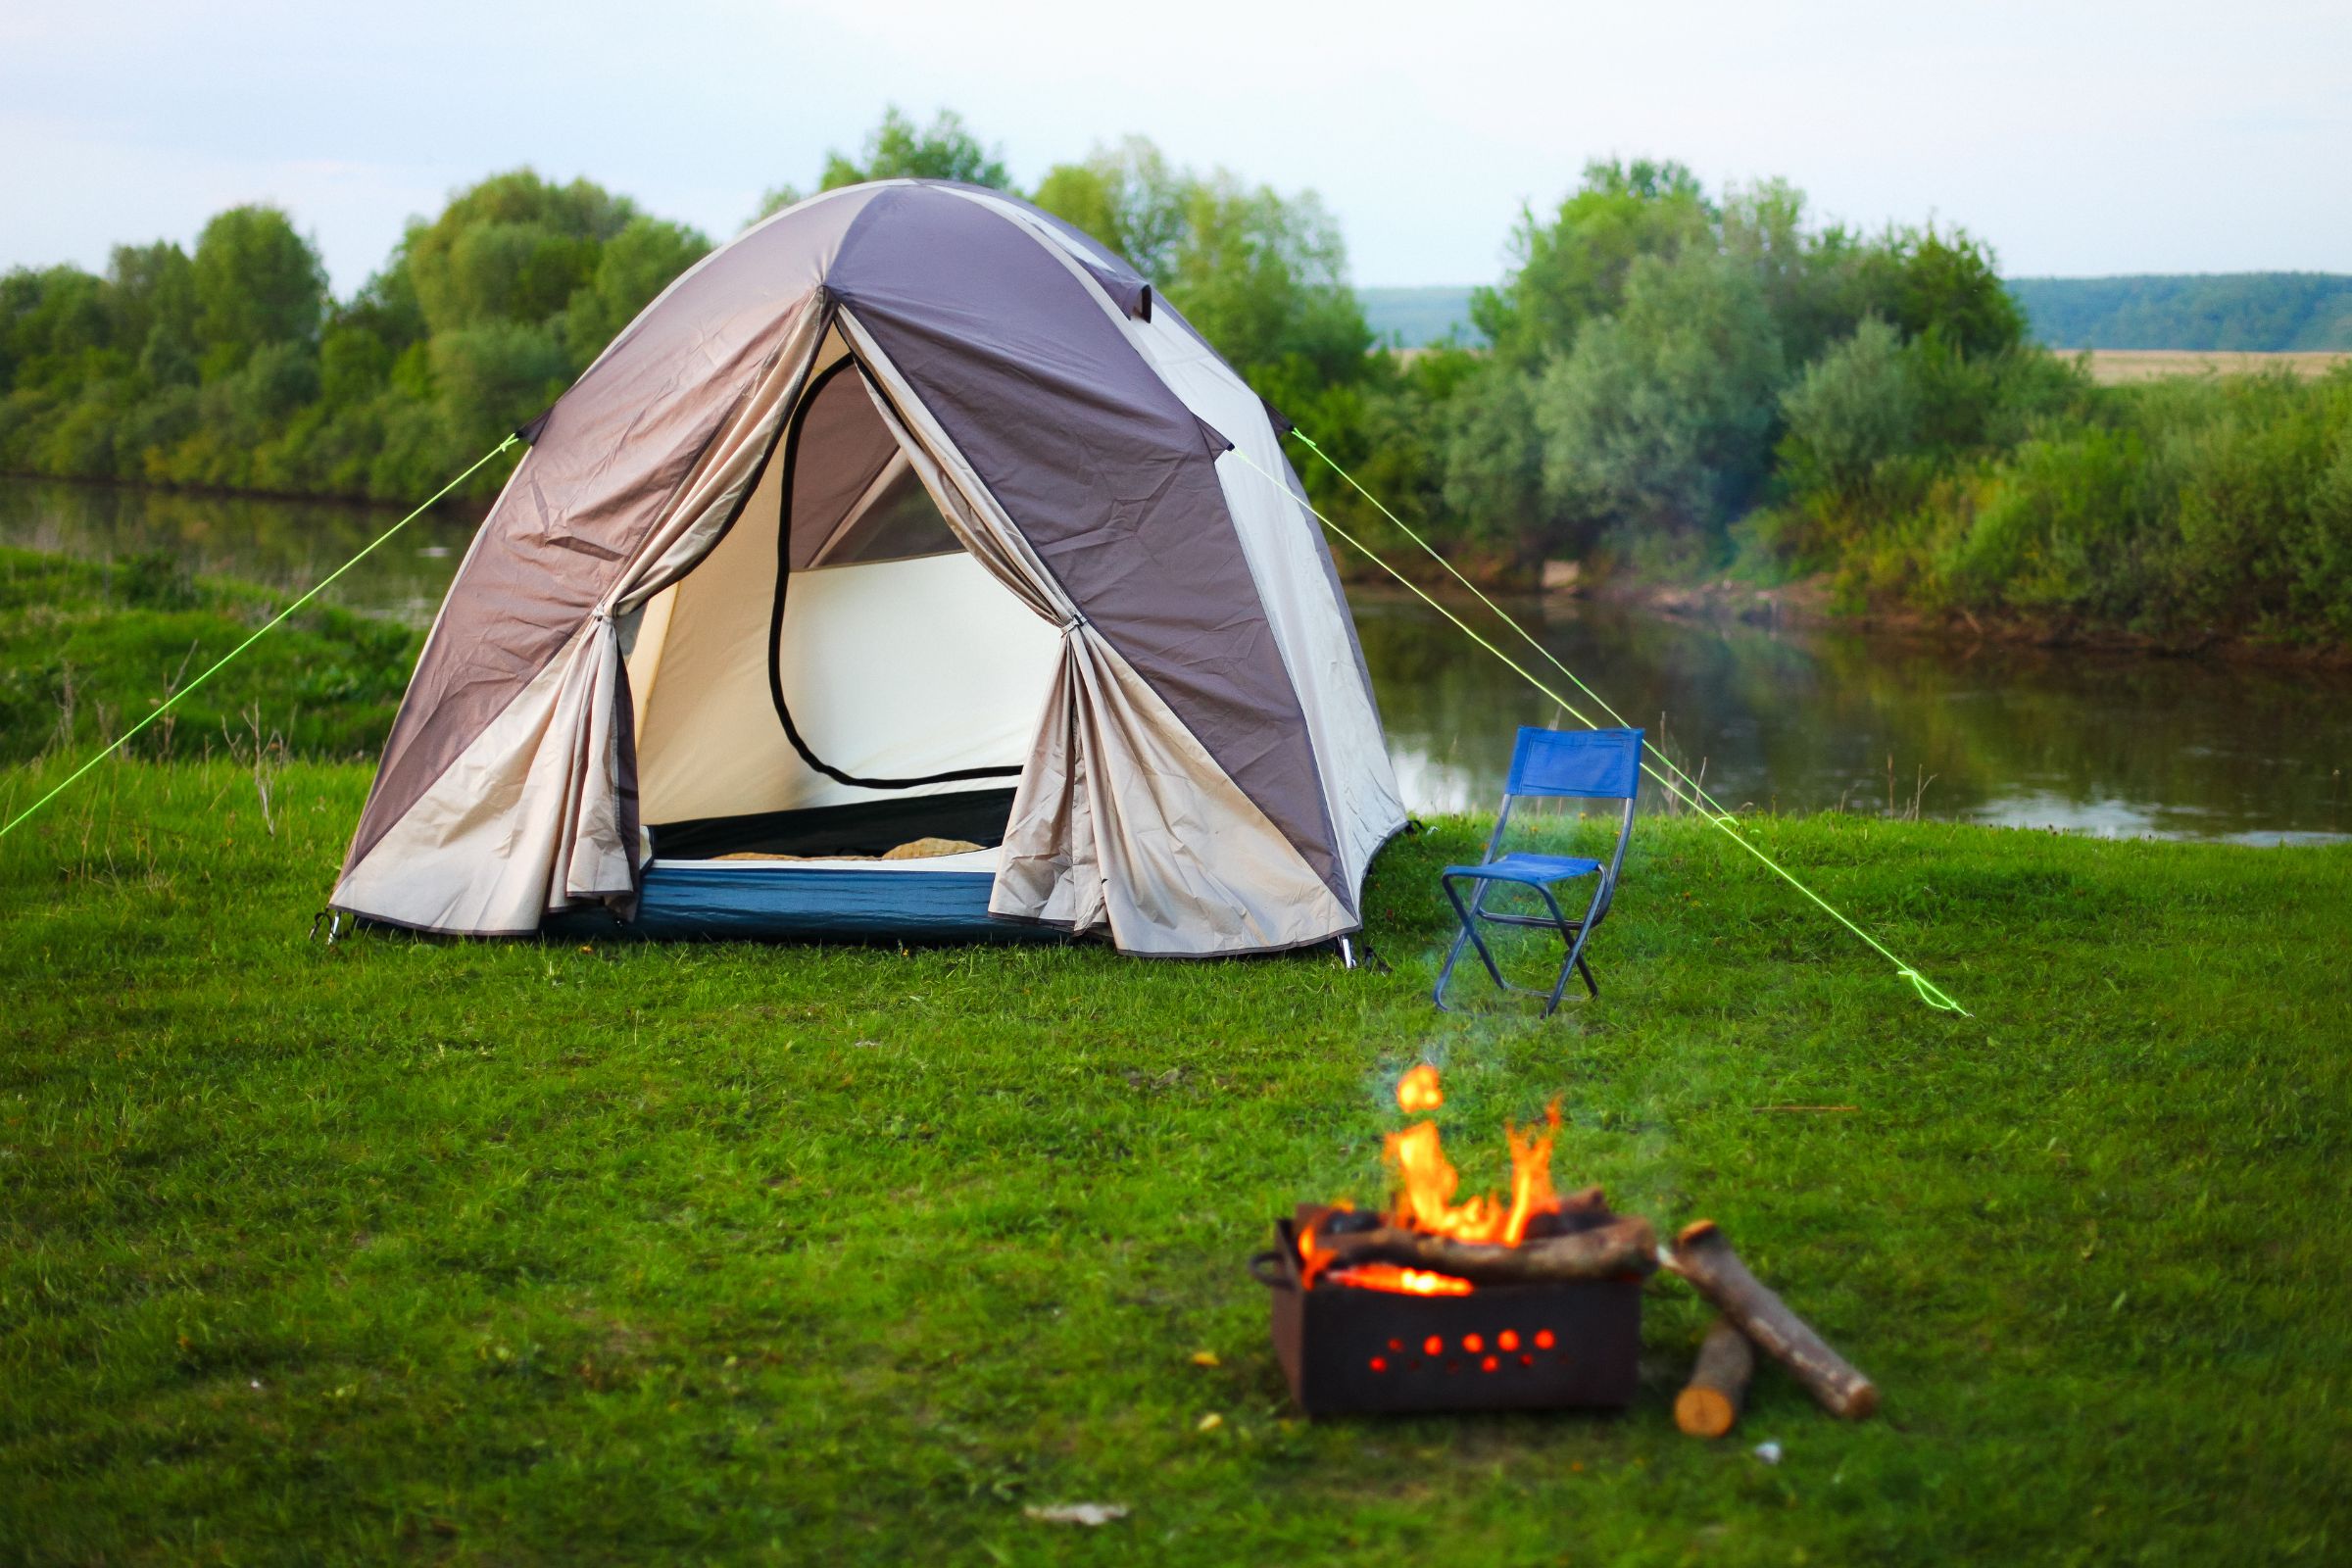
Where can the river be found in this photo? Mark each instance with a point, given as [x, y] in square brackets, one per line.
[1773, 719]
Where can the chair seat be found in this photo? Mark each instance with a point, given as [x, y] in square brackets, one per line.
[1531, 869]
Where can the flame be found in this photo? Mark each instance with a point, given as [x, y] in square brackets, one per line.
[1314, 1259]
[1426, 1182]
[1531, 1175]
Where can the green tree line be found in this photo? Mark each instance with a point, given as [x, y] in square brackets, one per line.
[1670, 381]
[2263, 313]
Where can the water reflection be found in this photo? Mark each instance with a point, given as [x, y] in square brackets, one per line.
[280, 544]
[1799, 721]
[1793, 721]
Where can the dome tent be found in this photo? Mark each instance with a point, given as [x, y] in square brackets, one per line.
[908, 514]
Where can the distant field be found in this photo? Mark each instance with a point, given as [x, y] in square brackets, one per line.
[2114, 366]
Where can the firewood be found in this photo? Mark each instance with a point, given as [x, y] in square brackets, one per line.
[1701, 1255]
[1710, 1404]
[1625, 1245]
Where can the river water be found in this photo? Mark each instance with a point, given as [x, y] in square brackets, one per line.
[1777, 719]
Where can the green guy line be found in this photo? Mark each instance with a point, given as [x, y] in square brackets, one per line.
[1729, 825]
[1503, 616]
[316, 588]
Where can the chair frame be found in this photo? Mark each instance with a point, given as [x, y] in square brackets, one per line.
[1575, 934]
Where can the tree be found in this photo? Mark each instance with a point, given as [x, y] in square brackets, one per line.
[149, 301]
[1947, 284]
[898, 149]
[772, 201]
[1127, 197]
[1849, 411]
[1573, 269]
[637, 264]
[1659, 420]
[1265, 279]
[255, 282]
[514, 248]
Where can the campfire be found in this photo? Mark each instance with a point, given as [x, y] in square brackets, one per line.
[1530, 1301]
[1417, 1246]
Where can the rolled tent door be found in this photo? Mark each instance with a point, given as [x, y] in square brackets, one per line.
[1296, 579]
[1122, 818]
[537, 811]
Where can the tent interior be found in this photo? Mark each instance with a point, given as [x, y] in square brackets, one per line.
[839, 677]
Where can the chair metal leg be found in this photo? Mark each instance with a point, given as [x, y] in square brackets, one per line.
[1573, 940]
[1461, 939]
[1584, 930]
[1574, 934]
[1468, 933]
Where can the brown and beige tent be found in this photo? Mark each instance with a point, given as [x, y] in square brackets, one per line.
[905, 570]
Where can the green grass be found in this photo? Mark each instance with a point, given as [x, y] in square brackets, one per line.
[464, 1252]
[88, 649]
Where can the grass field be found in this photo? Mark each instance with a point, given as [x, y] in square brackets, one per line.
[516, 1253]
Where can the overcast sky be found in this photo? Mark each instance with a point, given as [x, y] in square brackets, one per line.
[2078, 138]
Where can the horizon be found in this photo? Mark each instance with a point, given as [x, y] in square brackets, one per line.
[2110, 142]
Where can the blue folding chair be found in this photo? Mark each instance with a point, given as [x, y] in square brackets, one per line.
[1595, 764]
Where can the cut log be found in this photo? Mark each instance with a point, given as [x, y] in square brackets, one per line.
[1624, 1246]
[1710, 1404]
[1701, 1255]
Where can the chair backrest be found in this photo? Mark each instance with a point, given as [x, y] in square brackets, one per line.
[1593, 764]
[1600, 764]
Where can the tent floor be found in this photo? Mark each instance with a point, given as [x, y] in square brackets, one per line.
[735, 902]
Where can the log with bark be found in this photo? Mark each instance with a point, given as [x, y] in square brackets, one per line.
[1621, 1245]
[1709, 1405]
[1701, 1255]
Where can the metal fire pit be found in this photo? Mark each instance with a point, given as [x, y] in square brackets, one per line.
[1349, 1350]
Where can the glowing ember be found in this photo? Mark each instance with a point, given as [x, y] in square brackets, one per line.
[1403, 1281]
[1426, 1184]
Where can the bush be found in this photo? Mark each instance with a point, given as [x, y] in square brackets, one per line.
[1660, 418]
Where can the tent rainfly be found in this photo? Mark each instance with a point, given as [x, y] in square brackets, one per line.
[908, 515]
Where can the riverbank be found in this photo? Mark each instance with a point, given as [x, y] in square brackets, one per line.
[1783, 717]
[507, 1252]
[1815, 601]
[87, 649]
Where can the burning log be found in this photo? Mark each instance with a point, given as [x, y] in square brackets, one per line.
[1615, 1248]
[1701, 1255]
[1582, 1210]
[1710, 1404]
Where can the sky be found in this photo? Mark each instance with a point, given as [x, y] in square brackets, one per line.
[2078, 138]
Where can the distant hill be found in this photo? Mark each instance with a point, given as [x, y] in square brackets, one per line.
[2266, 312]
[1415, 318]
[2262, 313]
